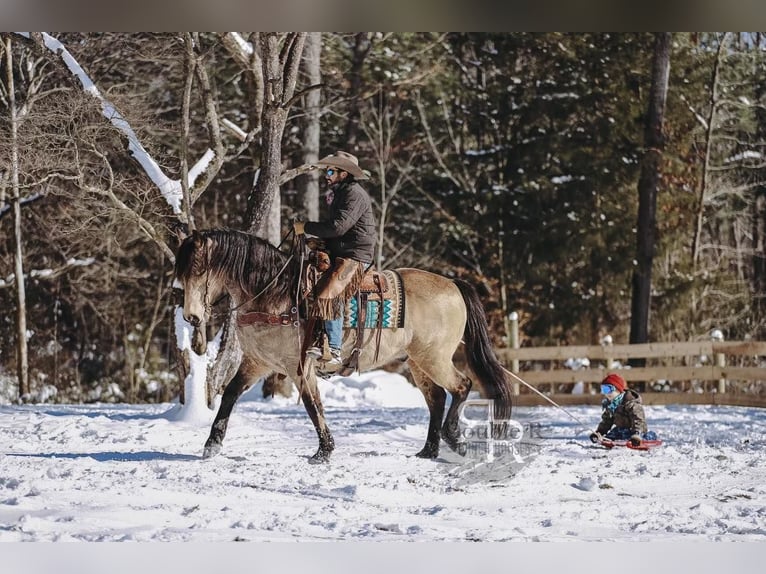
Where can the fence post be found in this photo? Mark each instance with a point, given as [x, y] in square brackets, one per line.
[514, 343]
[606, 341]
[720, 359]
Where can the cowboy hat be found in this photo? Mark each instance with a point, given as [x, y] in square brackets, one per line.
[345, 161]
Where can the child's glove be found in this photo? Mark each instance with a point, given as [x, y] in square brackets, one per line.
[635, 440]
[595, 437]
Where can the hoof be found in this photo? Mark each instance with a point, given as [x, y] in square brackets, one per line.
[211, 450]
[320, 457]
[428, 452]
[451, 437]
[458, 447]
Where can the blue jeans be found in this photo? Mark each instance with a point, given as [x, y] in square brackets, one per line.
[334, 329]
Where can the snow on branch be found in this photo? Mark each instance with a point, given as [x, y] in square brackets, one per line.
[6, 207]
[239, 48]
[169, 188]
[48, 273]
[200, 167]
[238, 132]
[245, 46]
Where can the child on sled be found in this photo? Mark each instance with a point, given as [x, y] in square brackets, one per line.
[623, 417]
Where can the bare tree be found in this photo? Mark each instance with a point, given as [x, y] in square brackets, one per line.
[311, 141]
[362, 44]
[710, 125]
[104, 186]
[22, 355]
[380, 120]
[280, 58]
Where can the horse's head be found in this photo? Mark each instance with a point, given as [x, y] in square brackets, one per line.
[217, 262]
[201, 284]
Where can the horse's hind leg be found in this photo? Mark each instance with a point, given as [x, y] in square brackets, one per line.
[451, 428]
[443, 373]
[238, 385]
[435, 400]
[313, 404]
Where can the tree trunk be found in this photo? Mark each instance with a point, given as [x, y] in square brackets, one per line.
[759, 259]
[310, 181]
[280, 75]
[191, 63]
[647, 192]
[22, 355]
[758, 286]
[223, 369]
[266, 189]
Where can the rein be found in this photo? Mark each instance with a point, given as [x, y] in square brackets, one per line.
[268, 285]
[291, 319]
[254, 317]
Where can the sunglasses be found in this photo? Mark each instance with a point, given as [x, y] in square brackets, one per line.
[329, 172]
[606, 389]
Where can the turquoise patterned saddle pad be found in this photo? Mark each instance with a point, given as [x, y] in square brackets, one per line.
[389, 311]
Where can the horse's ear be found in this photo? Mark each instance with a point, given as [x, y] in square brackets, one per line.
[180, 230]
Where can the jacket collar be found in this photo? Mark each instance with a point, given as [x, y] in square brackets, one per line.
[614, 403]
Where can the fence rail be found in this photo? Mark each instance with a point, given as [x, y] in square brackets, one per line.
[716, 372]
[645, 350]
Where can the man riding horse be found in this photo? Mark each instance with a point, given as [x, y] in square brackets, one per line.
[441, 314]
[350, 234]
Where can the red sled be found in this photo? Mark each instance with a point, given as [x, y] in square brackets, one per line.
[645, 444]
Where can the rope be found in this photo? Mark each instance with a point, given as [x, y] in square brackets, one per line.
[299, 243]
[289, 233]
[554, 403]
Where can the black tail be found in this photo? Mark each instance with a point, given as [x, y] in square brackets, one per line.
[479, 354]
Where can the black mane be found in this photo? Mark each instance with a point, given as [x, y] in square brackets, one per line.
[248, 260]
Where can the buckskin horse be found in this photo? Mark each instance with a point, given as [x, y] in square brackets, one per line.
[263, 281]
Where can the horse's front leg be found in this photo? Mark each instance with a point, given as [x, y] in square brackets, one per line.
[313, 404]
[238, 385]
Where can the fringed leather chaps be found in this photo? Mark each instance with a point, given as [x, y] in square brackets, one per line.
[336, 287]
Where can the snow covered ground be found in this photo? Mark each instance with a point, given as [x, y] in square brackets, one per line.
[133, 473]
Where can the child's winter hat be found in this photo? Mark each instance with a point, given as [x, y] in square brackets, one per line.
[616, 381]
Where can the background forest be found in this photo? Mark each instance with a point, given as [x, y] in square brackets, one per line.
[511, 160]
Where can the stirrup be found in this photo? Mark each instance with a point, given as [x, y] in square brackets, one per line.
[335, 358]
[331, 366]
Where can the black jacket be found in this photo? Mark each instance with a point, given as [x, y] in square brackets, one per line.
[350, 229]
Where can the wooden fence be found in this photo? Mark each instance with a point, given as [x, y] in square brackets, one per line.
[701, 372]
